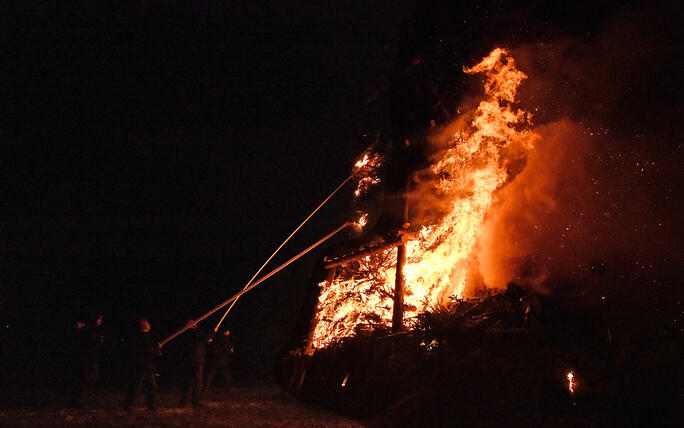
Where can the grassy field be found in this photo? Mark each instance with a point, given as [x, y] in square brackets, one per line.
[245, 406]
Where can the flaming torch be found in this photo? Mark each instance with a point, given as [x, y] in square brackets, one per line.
[368, 165]
[572, 385]
[362, 162]
[361, 222]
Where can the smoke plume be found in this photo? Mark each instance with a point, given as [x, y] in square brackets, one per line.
[595, 199]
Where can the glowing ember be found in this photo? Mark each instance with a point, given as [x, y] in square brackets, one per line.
[471, 168]
[571, 382]
[361, 222]
[368, 166]
[364, 184]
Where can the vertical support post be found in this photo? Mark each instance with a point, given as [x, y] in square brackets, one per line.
[399, 282]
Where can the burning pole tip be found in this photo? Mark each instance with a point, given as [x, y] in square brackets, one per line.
[366, 168]
[363, 162]
[571, 382]
[361, 222]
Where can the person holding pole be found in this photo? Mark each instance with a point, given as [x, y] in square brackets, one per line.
[90, 342]
[77, 362]
[219, 353]
[193, 352]
[143, 353]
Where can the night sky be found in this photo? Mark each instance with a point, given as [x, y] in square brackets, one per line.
[154, 154]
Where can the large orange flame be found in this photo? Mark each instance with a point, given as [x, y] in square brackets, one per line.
[472, 168]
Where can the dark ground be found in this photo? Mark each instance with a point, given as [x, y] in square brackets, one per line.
[254, 406]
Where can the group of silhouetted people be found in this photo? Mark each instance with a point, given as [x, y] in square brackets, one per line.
[199, 352]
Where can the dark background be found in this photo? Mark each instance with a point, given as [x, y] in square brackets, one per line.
[155, 154]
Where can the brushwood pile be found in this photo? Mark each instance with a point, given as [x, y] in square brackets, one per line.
[502, 358]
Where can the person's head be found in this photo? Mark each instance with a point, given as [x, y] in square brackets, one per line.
[226, 333]
[144, 325]
[98, 320]
[191, 323]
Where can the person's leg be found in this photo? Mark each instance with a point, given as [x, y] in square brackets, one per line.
[151, 386]
[92, 374]
[76, 389]
[136, 380]
[197, 384]
[209, 378]
[225, 372]
[82, 387]
[187, 380]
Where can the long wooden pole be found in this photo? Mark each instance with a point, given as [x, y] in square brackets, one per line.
[283, 244]
[254, 284]
[399, 284]
[346, 260]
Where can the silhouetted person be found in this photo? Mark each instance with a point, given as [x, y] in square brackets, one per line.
[219, 352]
[77, 362]
[143, 353]
[89, 342]
[193, 346]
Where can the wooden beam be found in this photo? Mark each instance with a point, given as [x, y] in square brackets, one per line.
[345, 260]
[399, 283]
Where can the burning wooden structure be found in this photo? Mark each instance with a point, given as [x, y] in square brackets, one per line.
[379, 287]
[396, 277]
[415, 320]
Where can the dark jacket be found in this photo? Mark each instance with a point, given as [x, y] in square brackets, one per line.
[143, 350]
[220, 350]
[79, 345]
[94, 343]
[87, 345]
[193, 347]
